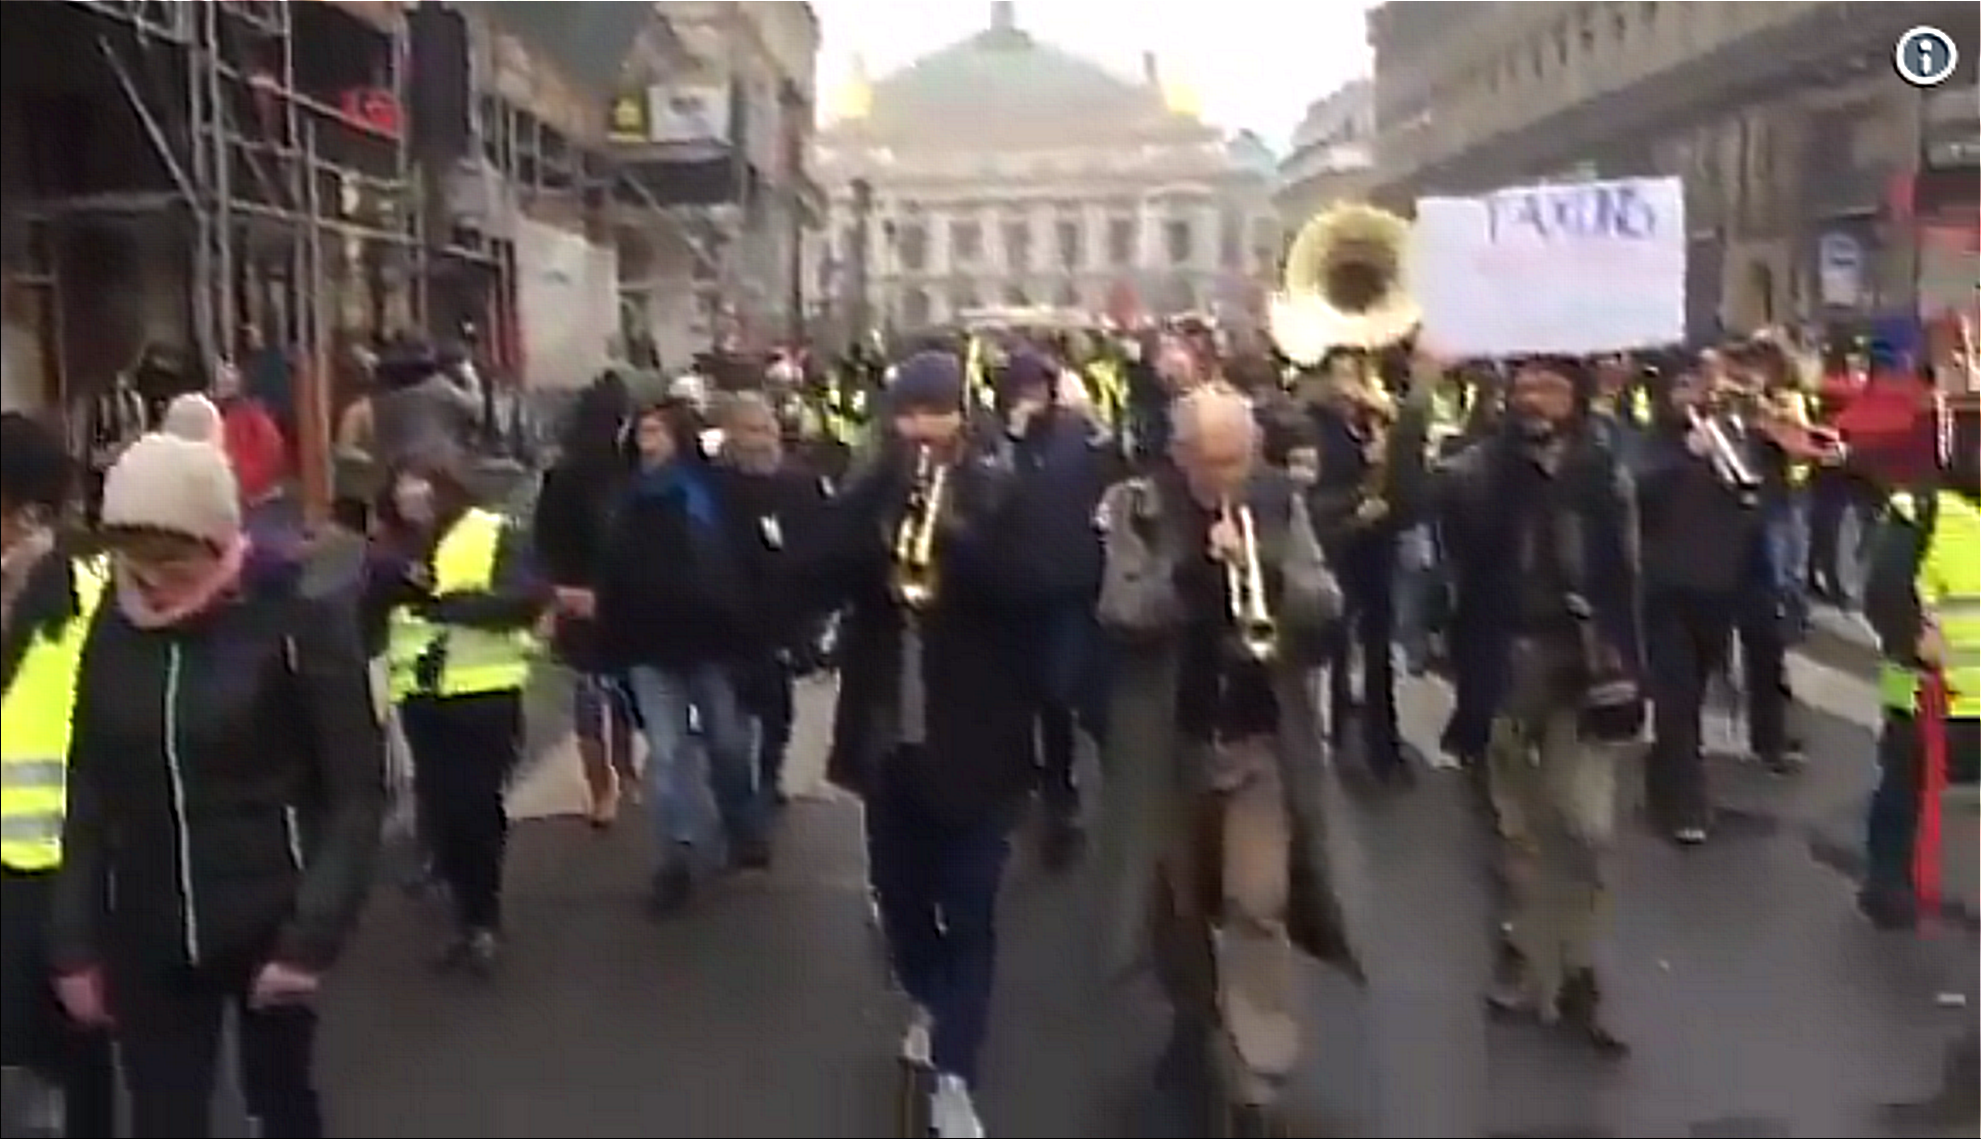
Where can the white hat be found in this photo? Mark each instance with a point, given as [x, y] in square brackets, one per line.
[195, 417]
[178, 486]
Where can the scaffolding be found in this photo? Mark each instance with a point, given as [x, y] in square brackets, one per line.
[295, 200]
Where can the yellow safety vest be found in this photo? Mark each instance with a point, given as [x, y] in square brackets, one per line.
[1107, 390]
[36, 721]
[470, 661]
[1949, 586]
[1799, 407]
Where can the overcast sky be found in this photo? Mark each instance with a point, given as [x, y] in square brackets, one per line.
[1255, 63]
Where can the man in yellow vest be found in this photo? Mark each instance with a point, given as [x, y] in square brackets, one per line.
[58, 1079]
[463, 601]
[1924, 599]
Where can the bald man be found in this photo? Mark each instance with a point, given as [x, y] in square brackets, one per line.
[1207, 812]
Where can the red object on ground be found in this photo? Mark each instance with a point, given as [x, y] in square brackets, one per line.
[1926, 853]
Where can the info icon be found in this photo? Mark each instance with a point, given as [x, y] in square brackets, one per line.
[1925, 56]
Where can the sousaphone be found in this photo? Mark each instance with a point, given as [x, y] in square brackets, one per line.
[1344, 285]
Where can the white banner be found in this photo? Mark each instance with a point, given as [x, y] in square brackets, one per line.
[1583, 268]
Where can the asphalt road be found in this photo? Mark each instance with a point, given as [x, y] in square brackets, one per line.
[1757, 1003]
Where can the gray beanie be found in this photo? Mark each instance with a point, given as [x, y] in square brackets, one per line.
[178, 486]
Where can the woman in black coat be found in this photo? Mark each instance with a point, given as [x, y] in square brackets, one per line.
[573, 515]
[227, 773]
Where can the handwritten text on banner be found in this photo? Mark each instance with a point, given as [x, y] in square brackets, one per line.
[1581, 268]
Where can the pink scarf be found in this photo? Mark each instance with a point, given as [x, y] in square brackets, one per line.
[142, 613]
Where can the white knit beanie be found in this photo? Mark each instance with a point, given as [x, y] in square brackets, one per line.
[178, 486]
[193, 416]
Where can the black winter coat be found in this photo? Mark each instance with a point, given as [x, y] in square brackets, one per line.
[676, 591]
[228, 776]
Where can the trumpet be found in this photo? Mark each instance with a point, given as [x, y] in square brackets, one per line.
[1729, 465]
[1245, 584]
[915, 580]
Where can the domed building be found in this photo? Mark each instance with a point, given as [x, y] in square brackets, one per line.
[1001, 170]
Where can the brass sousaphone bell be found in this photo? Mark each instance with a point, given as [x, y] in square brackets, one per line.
[1344, 285]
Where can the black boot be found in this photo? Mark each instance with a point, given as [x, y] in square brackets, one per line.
[1579, 1006]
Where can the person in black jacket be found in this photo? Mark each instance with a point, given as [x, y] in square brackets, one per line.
[573, 513]
[1706, 575]
[936, 709]
[42, 609]
[680, 615]
[782, 500]
[1371, 447]
[227, 774]
[1057, 572]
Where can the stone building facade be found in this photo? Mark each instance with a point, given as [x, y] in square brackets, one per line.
[1333, 154]
[1001, 170]
[1798, 145]
[715, 208]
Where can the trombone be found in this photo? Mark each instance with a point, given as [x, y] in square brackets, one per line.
[1245, 586]
[1729, 465]
[914, 578]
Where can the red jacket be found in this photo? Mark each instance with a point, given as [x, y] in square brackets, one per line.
[1892, 431]
[255, 447]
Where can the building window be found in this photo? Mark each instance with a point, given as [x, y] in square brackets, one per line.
[1231, 240]
[966, 242]
[1016, 297]
[1180, 241]
[1018, 245]
[1067, 296]
[915, 308]
[1121, 234]
[1071, 238]
[963, 297]
[849, 243]
[911, 245]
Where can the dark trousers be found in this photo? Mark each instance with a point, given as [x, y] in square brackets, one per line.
[1059, 788]
[1686, 638]
[937, 885]
[34, 1032]
[168, 1034]
[774, 703]
[464, 749]
[1891, 827]
[1367, 628]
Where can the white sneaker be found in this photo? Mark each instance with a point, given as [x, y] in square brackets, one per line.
[952, 1114]
[916, 1047]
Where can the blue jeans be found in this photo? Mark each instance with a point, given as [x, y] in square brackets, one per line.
[1788, 555]
[703, 697]
[936, 887]
[1416, 578]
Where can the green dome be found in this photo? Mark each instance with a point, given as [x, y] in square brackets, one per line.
[1002, 86]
